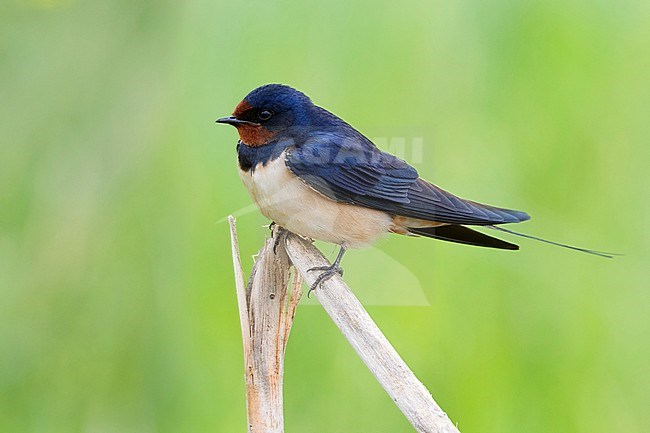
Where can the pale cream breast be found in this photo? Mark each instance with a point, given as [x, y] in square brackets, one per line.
[284, 198]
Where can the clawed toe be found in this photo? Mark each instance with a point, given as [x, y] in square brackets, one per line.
[280, 234]
[321, 268]
[327, 273]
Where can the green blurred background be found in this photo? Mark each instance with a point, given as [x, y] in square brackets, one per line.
[117, 307]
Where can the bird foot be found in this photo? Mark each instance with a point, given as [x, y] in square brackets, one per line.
[280, 234]
[328, 272]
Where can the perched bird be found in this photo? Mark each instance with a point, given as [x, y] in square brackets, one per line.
[315, 175]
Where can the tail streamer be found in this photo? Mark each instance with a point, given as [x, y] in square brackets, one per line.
[584, 250]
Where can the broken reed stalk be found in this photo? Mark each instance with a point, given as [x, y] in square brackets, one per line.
[265, 358]
[266, 312]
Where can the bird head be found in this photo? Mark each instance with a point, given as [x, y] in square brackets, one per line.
[268, 112]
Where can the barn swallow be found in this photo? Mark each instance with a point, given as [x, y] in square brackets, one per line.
[315, 175]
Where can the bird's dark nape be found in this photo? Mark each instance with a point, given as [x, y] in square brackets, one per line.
[463, 235]
[557, 244]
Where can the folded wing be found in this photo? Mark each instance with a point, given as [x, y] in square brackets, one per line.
[351, 169]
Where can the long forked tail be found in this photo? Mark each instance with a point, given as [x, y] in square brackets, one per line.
[584, 250]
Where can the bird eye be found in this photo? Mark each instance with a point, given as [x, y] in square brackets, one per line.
[264, 114]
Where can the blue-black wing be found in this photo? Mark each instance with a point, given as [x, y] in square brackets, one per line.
[349, 168]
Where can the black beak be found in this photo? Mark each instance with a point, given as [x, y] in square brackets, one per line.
[232, 120]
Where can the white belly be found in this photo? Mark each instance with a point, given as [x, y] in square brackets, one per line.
[285, 199]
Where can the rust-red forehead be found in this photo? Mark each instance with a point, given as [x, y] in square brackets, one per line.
[242, 107]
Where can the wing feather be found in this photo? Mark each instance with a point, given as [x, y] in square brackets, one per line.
[350, 169]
